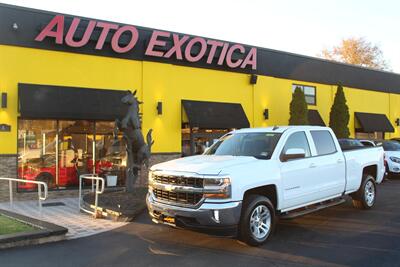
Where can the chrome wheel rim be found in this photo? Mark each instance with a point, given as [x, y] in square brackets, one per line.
[260, 222]
[369, 193]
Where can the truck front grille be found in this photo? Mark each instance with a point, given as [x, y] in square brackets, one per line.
[179, 198]
[178, 180]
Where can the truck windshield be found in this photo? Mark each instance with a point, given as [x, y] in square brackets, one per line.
[258, 145]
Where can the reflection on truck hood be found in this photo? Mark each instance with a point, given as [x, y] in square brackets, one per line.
[203, 164]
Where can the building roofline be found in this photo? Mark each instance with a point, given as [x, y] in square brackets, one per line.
[311, 60]
[258, 47]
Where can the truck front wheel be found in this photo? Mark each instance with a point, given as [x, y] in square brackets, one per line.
[365, 197]
[257, 221]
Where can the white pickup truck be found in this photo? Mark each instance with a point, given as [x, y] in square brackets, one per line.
[251, 177]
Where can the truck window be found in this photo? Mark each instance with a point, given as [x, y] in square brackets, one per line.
[323, 142]
[298, 140]
[258, 145]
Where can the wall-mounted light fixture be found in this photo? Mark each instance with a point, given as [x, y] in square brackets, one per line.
[398, 121]
[266, 114]
[3, 100]
[15, 26]
[253, 79]
[159, 108]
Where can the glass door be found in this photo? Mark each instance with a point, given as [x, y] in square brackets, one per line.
[37, 152]
[75, 151]
[110, 154]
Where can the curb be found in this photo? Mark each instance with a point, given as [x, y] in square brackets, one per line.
[114, 215]
[46, 233]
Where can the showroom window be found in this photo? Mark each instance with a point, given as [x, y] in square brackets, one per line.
[309, 93]
[58, 151]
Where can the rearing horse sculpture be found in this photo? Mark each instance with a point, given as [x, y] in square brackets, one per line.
[138, 151]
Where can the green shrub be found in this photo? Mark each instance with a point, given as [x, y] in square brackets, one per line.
[339, 116]
[298, 108]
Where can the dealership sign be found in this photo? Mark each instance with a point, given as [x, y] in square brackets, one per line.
[187, 48]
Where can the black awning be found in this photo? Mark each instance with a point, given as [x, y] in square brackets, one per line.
[372, 122]
[58, 102]
[314, 118]
[215, 115]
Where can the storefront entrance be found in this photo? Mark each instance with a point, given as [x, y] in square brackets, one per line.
[204, 122]
[58, 151]
[371, 125]
[64, 132]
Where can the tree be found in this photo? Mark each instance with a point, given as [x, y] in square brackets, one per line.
[298, 108]
[357, 51]
[339, 116]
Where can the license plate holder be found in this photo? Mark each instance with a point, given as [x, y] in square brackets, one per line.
[169, 220]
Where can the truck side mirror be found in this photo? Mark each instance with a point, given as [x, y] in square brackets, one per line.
[293, 153]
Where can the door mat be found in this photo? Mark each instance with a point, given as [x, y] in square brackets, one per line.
[53, 204]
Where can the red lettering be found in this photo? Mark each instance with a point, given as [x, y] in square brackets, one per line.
[231, 50]
[69, 38]
[177, 46]
[189, 46]
[55, 29]
[134, 37]
[251, 59]
[103, 35]
[214, 46]
[154, 42]
[58, 23]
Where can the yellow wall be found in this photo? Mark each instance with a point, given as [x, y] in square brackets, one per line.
[25, 65]
[169, 84]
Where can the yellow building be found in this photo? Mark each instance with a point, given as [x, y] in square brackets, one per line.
[62, 78]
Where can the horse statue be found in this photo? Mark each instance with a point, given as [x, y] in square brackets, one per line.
[138, 151]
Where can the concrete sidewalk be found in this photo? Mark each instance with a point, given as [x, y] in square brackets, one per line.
[67, 215]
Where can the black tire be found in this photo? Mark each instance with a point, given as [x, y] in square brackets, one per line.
[47, 178]
[362, 199]
[250, 204]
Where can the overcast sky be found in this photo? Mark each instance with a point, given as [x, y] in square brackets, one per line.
[302, 26]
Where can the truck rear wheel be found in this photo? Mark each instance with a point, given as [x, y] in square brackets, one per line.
[257, 221]
[365, 197]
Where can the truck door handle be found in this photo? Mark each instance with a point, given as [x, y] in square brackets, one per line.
[339, 161]
[312, 165]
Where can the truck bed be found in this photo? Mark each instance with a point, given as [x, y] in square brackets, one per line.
[359, 158]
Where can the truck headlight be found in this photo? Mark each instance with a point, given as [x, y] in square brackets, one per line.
[395, 159]
[217, 188]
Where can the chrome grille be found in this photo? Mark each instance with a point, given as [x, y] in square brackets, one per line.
[178, 197]
[177, 190]
[179, 180]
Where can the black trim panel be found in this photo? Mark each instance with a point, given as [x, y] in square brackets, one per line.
[372, 122]
[314, 118]
[215, 115]
[60, 102]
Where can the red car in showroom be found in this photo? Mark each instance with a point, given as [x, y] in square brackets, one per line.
[44, 169]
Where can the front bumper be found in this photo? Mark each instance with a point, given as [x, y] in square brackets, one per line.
[209, 216]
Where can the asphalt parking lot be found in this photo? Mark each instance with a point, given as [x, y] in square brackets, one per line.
[339, 236]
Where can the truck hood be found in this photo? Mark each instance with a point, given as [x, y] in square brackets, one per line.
[202, 164]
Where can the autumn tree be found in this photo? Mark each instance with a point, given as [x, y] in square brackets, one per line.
[357, 51]
[298, 108]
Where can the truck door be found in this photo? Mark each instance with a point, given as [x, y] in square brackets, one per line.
[299, 176]
[330, 164]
